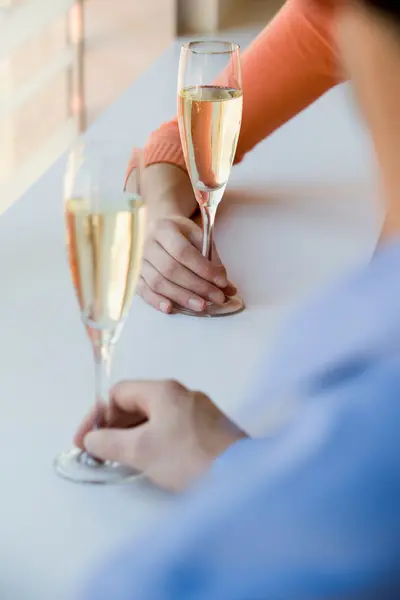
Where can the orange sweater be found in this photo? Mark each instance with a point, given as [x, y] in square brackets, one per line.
[287, 67]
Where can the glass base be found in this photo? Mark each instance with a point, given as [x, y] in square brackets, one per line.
[80, 467]
[232, 306]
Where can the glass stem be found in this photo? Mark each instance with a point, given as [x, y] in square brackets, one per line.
[208, 218]
[102, 358]
[102, 362]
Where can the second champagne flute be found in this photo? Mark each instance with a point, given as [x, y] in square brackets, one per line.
[105, 235]
[210, 102]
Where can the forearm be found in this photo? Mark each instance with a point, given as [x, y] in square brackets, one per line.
[289, 65]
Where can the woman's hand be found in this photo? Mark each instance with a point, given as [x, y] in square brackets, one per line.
[170, 433]
[174, 270]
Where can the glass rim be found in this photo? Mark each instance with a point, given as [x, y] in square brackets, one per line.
[230, 47]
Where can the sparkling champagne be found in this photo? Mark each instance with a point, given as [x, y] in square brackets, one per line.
[105, 252]
[209, 123]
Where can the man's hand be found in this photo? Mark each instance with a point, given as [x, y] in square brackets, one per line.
[161, 428]
[174, 270]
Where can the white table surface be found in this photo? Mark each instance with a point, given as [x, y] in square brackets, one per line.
[299, 210]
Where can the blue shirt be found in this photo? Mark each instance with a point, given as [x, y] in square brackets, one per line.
[313, 512]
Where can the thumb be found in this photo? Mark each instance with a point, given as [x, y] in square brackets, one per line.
[112, 444]
[216, 259]
[230, 289]
[195, 237]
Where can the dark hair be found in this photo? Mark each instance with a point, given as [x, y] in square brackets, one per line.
[390, 8]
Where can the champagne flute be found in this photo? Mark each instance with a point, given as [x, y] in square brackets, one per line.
[210, 102]
[105, 234]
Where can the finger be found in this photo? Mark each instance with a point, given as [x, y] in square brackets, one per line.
[156, 300]
[179, 247]
[120, 419]
[95, 417]
[216, 259]
[194, 234]
[141, 396]
[113, 444]
[110, 416]
[161, 286]
[230, 289]
[176, 273]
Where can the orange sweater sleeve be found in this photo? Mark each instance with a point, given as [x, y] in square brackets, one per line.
[287, 67]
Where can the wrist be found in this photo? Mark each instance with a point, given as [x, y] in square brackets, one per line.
[228, 436]
[168, 192]
[163, 208]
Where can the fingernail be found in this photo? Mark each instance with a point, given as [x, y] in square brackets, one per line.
[232, 288]
[164, 306]
[196, 304]
[217, 297]
[221, 281]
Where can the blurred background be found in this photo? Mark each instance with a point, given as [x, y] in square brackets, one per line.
[63, 62]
